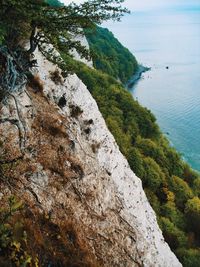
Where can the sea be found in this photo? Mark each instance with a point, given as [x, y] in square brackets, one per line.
[168, 41]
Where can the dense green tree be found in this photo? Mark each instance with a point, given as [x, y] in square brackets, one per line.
[170, 211]
[174, 164]
[189, 175]
[150, 149]
[182, 191]
[192, 211]
[135, 161]
[109, 55]
[196, 186]
[154, 201]
[153, 176]
[45, 24]
[189, 257]
[122, 140]
[173, 235]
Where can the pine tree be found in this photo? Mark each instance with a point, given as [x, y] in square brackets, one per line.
[43, 23]
[48, 22]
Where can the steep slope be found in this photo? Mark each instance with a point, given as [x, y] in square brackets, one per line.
[109, 55]
[58, 156]
[172, 187]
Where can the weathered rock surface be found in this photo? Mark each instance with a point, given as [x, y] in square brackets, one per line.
[68, 164]
[82, 39]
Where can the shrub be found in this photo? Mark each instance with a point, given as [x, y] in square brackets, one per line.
[35, 83]
[170, 211]
[196, 186]
[153, 176]
[173, 236]
[181, 190]
[154, 201]
[192, 211]
[75, 111]
[30, 238]
[150, 149]
[135, 161]
[174, 164]
[56, 77]
[189, 257]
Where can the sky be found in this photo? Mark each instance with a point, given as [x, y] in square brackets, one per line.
[140, 5]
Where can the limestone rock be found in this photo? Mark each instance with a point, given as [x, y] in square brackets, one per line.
[71, 167]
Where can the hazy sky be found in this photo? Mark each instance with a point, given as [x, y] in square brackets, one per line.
[148, 4]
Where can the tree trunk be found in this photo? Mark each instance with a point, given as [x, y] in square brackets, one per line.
[33, 40]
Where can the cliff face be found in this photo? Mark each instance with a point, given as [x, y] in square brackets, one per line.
[65, 163]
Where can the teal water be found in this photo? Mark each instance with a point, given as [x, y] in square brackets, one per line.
[168, 38]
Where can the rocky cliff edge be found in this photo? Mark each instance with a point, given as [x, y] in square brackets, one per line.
[65, 163]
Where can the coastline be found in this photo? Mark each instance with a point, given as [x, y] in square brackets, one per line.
[130, 87]
[136, 77]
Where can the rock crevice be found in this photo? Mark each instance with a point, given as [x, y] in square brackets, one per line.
[72, 168]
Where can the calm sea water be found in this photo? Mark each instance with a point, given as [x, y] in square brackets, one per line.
[168, 38]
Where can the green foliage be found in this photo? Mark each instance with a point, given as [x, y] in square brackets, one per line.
[122, 140]
[44, 24]
[173, 162]
[173, 234]
[53, 21]
[196, 186]
[10, 247]
[109, 55]
[153, 177]
[189, 175]
[22, 13]
[192, 211]
[153, 199]
[170, 211]
[182, 191]
[135, 161]
[150, 149]
[2, 34]
[189, 257]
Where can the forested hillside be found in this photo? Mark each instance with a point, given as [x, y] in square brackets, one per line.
[109, 55]
[172, 187]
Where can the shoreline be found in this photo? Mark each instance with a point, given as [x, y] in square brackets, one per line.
[137, 76]
[130, 86]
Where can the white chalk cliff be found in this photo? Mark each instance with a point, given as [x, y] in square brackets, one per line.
[73, 168]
